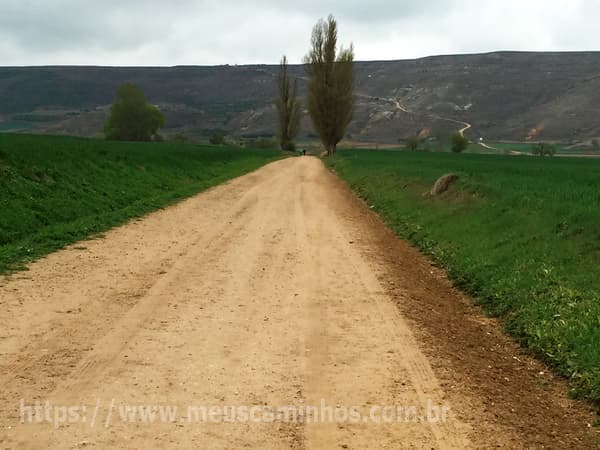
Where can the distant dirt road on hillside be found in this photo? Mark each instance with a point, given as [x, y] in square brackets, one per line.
[277, 289]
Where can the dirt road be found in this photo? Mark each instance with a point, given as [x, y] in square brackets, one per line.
[465, 125]
[276, 289]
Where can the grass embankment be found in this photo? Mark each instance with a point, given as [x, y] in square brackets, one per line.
[57, 190]
[520, 234]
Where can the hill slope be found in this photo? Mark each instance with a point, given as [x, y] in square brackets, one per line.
[511, 96]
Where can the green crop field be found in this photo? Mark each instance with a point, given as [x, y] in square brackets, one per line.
[15, 125]
[57, 190]
[502, 147]
[524, 148]
[521, 234]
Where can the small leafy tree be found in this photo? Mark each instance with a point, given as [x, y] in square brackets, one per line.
[131, 117]
[288, 107]
[330, 84]
[412, 143]
[543, 149]
[217, 139]
[458, 142]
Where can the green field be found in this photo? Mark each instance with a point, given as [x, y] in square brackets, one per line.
[15, 125]
[524, 148]
[57, 190]
[521, 235]
[504, 147]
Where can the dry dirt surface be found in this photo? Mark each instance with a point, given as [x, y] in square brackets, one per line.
[276, 289]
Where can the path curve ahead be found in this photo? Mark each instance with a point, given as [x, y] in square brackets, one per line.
[278, 288]
[465, 125]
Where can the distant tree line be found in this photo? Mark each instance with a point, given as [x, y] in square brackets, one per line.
[457, 140]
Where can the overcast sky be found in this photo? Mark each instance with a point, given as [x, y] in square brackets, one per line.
[201, 32]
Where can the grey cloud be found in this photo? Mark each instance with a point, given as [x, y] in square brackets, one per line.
[142, 32]
[372, 12]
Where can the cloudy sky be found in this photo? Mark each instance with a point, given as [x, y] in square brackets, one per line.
[148, 32]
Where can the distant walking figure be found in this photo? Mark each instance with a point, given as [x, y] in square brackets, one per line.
[303, 152]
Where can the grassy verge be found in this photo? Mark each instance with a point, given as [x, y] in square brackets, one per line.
[520, 234]
[57, 190]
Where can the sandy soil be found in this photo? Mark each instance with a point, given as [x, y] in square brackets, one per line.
[276, 289]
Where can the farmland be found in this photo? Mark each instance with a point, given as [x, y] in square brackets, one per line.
[57, 190]
[280, 287]
[520, 234]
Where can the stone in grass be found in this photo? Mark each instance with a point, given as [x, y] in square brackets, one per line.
[443, 184]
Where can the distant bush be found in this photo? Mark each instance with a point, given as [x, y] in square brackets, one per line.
[131, 117]
[458, 142]
[412, 143]
[217, 139]
[543, 149]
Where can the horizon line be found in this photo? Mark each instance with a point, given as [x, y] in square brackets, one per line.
[449, 55]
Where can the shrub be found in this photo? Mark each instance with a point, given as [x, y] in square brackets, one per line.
[217, 139]
[131, 117]
[412, 143]
[458, 142]
[543, 149]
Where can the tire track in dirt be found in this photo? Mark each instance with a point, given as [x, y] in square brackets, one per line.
[349, 313]
[85, 313]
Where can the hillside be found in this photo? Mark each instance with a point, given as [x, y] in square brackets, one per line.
[510, 96]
